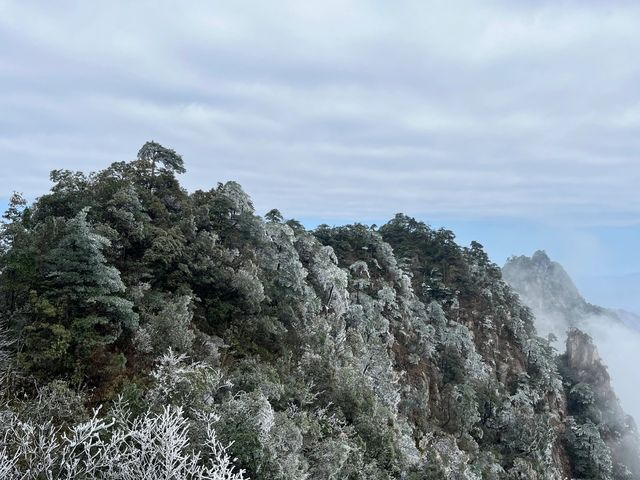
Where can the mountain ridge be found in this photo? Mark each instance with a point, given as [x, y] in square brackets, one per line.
[350, 352]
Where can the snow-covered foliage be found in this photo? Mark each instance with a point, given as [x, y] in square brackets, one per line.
[169, 328]
[122, 447]
[6, 342]
[178, 381]
[592, 457]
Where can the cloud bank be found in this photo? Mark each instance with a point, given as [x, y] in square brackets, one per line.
[338, 110]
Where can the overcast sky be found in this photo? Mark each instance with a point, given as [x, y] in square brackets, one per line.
[516, 123]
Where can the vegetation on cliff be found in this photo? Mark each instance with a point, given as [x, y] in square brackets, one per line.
[152, 330]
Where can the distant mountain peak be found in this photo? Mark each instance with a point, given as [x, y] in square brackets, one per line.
[541, 257]
[549, 291]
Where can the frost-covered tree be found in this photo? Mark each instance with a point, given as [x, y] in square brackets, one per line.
[246, 282]
[56, 402]
[84, 288]
[328, 279]
[273, 215]
[178, 381]
[125, 213]
[460, 410]
[155, 158]
[6, 357]
[592, 458]
[581, 399]
[168, 328]
[82, 307]
[283, 258]
[123, 447]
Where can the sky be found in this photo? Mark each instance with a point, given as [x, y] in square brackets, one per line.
[512, 123]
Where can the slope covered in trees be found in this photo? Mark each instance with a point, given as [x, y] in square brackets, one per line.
[152, 331]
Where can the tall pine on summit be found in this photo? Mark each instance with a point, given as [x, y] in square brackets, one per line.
[154, 158]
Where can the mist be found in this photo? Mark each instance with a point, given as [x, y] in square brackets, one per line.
[546, 288]
[619, 348]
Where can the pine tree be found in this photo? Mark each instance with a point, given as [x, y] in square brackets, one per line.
[80, 278]
[158, 159]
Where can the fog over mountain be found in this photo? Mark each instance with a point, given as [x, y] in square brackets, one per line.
[546, 288]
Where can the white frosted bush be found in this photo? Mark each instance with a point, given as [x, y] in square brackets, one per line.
[151, 446]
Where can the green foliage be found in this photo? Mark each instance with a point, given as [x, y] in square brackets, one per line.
[159, 160]
[590, 455]
[82, 286]
[273, 215]
[461, 410]
[581, 399]
[46, 350]
[79, 308]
